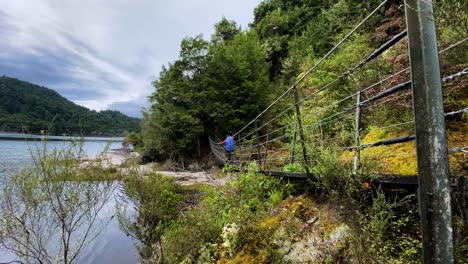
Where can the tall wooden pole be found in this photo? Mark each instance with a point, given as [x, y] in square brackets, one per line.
[301, 131]
[431, 142]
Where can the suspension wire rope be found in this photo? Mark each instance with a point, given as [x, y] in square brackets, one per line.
[276, 117]
[452, 150]
[315, 65]
[463, 149]
[464, 110]
[455, 76]
[401, 139]
[390, 126]
[360, 64]
[274, 140]
[368, 106]
[220, 153]
[405, 85]
[272, 151]
[454, 45]
[363, 62]
[459, 74]
[275, 131]
[328, 120]
[266, 142]
[370, 57]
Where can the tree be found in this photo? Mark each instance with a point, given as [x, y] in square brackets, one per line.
[174, 121]
[211, 88]
[225, 30]
[238, 81]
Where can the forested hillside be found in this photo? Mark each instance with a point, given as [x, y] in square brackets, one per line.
[219, 84]
[25, 107]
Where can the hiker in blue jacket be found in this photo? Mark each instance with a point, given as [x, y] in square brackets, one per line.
[229, 145]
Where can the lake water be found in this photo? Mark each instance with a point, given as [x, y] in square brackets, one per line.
[112, 245]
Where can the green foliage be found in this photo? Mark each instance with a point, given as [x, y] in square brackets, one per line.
[390, 230]
[244, 200]
[25, 107]
[225, 30]
[294, 167]
[157, 200]
[135, 139]
[211, 86]
[198, 228]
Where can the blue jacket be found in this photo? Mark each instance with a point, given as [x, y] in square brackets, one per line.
[229, 141]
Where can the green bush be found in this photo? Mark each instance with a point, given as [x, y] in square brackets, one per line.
[244, 200]
[293, 167]
[158, 201]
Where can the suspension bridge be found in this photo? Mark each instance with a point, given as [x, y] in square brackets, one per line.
[273, 139]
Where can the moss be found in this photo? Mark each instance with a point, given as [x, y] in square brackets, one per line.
[272, 222]
[394, 159]
[251, 256]
[400, 159]
[456, 137]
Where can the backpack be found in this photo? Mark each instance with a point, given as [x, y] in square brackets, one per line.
[229, 144]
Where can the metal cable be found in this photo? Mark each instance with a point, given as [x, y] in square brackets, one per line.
[464, 110]
[354, 94]
[389, 126]
[448, 78]
[316, 64]
[454, 45]
[263, 143]
[463, 149]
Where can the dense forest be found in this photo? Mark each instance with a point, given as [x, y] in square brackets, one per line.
[25, 107]
[218, 85]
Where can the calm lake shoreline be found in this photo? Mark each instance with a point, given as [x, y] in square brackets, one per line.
[112, 245]
[36, 137]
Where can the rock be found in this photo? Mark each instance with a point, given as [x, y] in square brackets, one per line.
[339, 233]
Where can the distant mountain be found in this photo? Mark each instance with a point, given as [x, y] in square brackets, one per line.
[26, 107]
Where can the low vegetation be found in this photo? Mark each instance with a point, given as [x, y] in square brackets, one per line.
[260, 219]
[49, 213]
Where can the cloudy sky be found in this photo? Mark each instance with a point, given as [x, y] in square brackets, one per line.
[104, 54]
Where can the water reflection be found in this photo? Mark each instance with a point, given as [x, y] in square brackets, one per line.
[112, 245]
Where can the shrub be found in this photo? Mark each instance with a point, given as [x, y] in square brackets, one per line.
[293, 167]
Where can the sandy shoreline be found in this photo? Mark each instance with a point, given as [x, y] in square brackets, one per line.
[118, 158]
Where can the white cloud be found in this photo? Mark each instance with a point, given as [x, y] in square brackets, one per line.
[112, 49]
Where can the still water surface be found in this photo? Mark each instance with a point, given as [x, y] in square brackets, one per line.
[112, 245]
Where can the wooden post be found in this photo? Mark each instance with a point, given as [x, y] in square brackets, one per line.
[301, 131]
[258, 145]
[431, 143]
[293, 145]
[356, 136]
